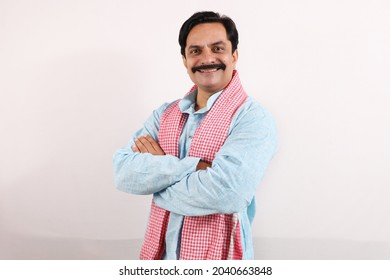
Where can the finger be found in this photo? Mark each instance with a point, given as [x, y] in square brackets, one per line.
[135, 148]
[140, 145]
[146, 144]
[156, 147]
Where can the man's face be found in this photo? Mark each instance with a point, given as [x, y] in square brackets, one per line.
[209, 59]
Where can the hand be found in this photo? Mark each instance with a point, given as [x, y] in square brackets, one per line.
[146, 144]
[202, 165]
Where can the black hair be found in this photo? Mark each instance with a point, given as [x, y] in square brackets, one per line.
[207, 17]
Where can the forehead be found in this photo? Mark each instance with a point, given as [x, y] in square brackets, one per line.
[206, 33]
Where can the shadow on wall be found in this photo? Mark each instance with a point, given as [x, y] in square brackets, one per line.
[43, 248]
[39, 248]
[320, 249]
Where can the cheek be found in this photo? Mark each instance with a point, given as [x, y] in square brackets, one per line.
[189, 64]
[228, 60]
[232, 63]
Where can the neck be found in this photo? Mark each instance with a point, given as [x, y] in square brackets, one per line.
[204, 95]
[201, 99]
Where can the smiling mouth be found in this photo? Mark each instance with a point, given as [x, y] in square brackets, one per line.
[208, 68]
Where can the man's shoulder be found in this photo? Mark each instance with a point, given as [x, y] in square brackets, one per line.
[162, 108]
[254, 109]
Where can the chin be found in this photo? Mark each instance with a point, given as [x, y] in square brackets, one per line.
[210, 88]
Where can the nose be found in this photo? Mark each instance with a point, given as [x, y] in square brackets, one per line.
[208, 57]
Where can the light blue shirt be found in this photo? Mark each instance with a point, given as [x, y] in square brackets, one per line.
[227, 187]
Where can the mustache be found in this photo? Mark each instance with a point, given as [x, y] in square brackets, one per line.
[208, 66]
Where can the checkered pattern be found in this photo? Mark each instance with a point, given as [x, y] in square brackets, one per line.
[154, 244]
[203, 237]
[211, 237]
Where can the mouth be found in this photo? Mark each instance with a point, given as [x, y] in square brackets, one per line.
[208, 68]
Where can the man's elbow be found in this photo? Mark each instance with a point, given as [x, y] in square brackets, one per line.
[232, 204]
[125, 184]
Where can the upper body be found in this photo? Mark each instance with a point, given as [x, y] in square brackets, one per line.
[228, 186]
[188, 186]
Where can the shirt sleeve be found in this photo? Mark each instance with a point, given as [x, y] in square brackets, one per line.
[144, 173]
[230, 184]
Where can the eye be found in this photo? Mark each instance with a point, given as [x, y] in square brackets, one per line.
[194, 51]
[218, 49]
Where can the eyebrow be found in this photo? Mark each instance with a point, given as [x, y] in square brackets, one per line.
[218, 43]
[212, 44]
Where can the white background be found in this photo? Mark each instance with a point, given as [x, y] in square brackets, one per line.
[78, 78]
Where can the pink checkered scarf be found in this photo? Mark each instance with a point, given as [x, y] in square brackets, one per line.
[214, 236]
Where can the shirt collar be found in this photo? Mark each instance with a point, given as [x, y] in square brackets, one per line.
[187, 104]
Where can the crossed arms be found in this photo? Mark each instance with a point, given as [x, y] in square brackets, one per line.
[146, 144]
[189, 186]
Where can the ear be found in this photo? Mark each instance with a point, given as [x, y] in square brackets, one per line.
[184, 61]
[235, 57]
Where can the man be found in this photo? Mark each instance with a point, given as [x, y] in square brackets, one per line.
[203, 156]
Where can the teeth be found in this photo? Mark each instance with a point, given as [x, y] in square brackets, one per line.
[208, 70]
